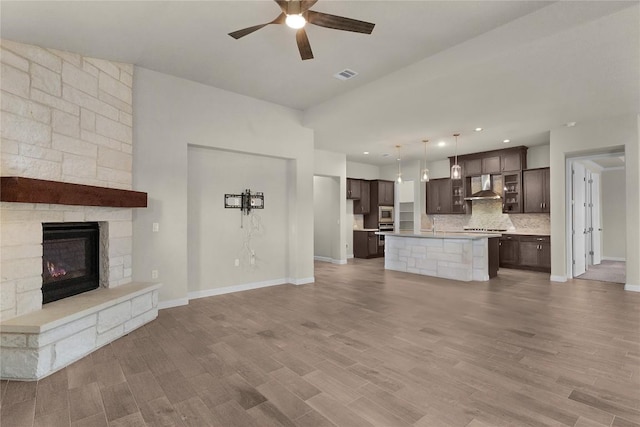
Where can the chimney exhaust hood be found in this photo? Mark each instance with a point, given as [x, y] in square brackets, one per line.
[486, 193]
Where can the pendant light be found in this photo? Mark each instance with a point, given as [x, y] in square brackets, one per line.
[399, 179]
[425, 172]
[456, 170]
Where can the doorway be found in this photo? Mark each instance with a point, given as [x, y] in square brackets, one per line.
[326, 219]
[596, 216]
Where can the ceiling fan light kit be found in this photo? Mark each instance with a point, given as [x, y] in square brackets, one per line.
[295, 21]
[296, 13]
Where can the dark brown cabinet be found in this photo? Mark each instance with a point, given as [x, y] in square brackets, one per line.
[535, 252]
[491, 164]
[382, 194]
[526, 252]
[508, 251]
[472, 167]
[511, 192]
[439, 193]
[365, 244]
[363, 204]
[514, 160]
[353, 188]
[536, 187]
[385, 192]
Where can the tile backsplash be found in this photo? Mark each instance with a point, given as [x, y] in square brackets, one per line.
[488, 214]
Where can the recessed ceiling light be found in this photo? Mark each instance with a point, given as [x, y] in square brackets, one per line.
[570, 124]
[506, 141]
[441, 144]
[366, 152]
[478, 129]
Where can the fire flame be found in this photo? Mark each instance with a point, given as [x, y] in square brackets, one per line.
[55, 271]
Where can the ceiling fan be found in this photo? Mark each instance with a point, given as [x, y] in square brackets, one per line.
[296, 13]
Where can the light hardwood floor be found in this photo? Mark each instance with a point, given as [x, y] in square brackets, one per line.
[360, 347]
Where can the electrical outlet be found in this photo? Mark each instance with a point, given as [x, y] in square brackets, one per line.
[154, 274]
[156, 227]
[237, 262]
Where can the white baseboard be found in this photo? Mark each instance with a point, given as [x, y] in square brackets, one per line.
[632, 288]
[235, 288]
[349, 256]
[613, 258]
[331, 260]
[172, 303]
[560, 279]
[303, 281]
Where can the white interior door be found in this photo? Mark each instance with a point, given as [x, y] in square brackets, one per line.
[587, 221]
[578, 219]
[596, 234]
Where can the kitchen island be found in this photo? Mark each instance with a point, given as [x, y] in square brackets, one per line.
[459, 256]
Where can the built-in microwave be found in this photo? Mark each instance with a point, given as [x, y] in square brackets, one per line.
[385, 214]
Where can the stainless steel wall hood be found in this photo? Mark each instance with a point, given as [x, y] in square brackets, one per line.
[486, 193]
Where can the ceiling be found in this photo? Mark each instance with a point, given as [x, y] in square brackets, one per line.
[430, 68]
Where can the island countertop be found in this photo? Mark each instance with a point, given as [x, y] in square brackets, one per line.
[440, 235]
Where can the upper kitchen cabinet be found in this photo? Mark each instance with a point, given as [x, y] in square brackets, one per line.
[493, 162]
[536, 188]
[512, 192]
[439, 192]
[384, 191]
[472, 167]
[363, 204]
[514, 159]
[353, 188]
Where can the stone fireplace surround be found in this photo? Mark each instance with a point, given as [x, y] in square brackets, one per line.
[43, 339]
[65, 118]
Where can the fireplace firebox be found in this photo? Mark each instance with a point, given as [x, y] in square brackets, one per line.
[69, 259]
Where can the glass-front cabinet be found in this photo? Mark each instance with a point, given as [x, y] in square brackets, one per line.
[511, 192]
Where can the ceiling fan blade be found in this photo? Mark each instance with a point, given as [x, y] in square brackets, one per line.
[295, 6]
[303, 44]
[246, 31]
[339, 22]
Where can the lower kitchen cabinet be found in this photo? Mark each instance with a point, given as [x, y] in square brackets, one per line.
[365, 244]
[526, 252]
[508, 251]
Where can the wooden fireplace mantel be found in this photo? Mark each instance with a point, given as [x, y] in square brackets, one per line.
[29, 190]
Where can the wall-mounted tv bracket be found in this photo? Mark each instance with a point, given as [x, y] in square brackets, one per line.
[245, 201]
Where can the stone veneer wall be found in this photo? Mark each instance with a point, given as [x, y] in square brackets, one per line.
[66, 118]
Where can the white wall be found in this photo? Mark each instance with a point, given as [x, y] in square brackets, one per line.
[326, 217]
[362, 171]
[440, 169]
[217, 236]
[172, 113]
[614, 230]
[598, 136]
[538, 156]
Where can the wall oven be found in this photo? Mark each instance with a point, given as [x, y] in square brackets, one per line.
[385, 214]
[382, 228]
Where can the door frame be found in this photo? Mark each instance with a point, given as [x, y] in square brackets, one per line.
[568, 200]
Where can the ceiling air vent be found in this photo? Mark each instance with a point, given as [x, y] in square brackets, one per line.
[345, 74]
